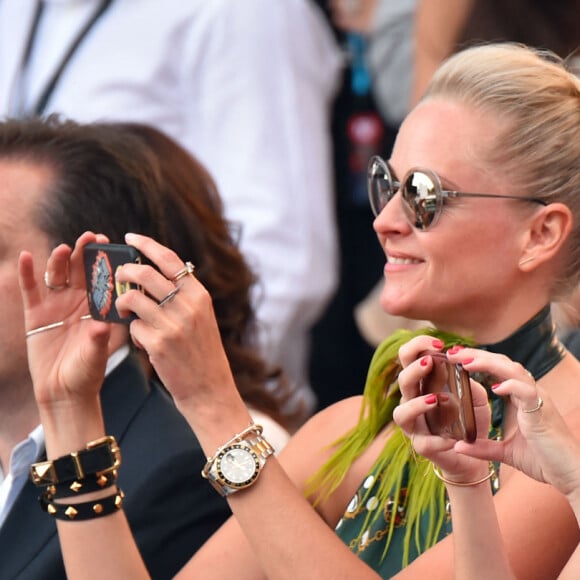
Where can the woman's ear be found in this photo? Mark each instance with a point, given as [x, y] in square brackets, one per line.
[547, 234]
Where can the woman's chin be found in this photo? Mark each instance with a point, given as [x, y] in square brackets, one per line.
[394, 306]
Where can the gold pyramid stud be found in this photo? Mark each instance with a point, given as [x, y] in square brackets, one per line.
[42, 470]
[75, 486]
[98, 508]
[71, 512]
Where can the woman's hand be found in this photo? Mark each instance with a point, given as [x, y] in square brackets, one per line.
[410, 414]
[181, 336]
[67, 352]
[543, 446]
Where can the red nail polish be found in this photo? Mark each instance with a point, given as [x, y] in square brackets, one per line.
[495, 386]
[467, 361]
[443, 397]
[438, 343]
[455, 349]
[424, 361]
[430, 399]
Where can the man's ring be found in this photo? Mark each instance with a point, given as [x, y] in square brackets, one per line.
[169, 297]
[187, 269]
[51, 286]
[538, 406]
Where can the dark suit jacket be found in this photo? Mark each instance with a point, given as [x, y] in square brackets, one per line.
[171, 509]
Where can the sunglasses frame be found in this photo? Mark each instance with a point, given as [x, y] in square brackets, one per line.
[410, 208]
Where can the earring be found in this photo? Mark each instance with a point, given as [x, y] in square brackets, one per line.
[526, 260]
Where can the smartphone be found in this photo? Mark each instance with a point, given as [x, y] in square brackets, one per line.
[453, 417]
[101, 263]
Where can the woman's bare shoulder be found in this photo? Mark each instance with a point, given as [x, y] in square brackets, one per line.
[313, 443]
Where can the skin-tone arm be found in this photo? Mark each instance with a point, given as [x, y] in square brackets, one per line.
[68, 366]
[544, 447]
[437, 28]
[476, 531]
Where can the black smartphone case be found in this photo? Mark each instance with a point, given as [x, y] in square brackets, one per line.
[101, 262]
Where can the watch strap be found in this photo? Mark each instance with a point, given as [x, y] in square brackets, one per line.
[260, 446]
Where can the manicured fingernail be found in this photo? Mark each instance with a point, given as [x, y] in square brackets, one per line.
[437, 343]
[467, 361]
[430, 399]
[495, 386]
[443, 397]
[424, 361]
[455, 349]
[129, 237]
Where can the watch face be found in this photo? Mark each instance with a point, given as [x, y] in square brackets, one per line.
[237, 466]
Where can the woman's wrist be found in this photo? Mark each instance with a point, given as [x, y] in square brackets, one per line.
[465, 478]
[216, 422]
[69, 426]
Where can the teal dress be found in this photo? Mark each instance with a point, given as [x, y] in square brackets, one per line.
[367, 536]
[369, 544]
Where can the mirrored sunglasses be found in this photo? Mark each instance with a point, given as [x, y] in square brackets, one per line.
[421, 191]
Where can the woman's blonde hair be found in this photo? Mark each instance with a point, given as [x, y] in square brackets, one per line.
[539, 100]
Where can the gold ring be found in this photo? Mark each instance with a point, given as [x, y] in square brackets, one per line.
[187, 269]
[538, 406]
[51, 286]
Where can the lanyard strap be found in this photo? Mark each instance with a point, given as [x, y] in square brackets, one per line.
[44, 97]
[360, 78]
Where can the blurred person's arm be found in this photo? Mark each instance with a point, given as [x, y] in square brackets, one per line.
[438, 25]
[390, 57]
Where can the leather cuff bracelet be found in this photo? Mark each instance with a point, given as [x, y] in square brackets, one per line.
[100, 456]
[82, 511]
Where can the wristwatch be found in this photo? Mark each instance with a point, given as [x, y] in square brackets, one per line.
[237, 464]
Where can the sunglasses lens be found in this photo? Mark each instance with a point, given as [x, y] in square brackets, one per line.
[379, 184]
[422, 199]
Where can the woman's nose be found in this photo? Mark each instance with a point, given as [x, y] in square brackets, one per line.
[392, 218]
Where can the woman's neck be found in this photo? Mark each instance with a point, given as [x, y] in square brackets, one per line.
[534, 344]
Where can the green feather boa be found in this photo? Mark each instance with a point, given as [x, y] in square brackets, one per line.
[425, 493]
